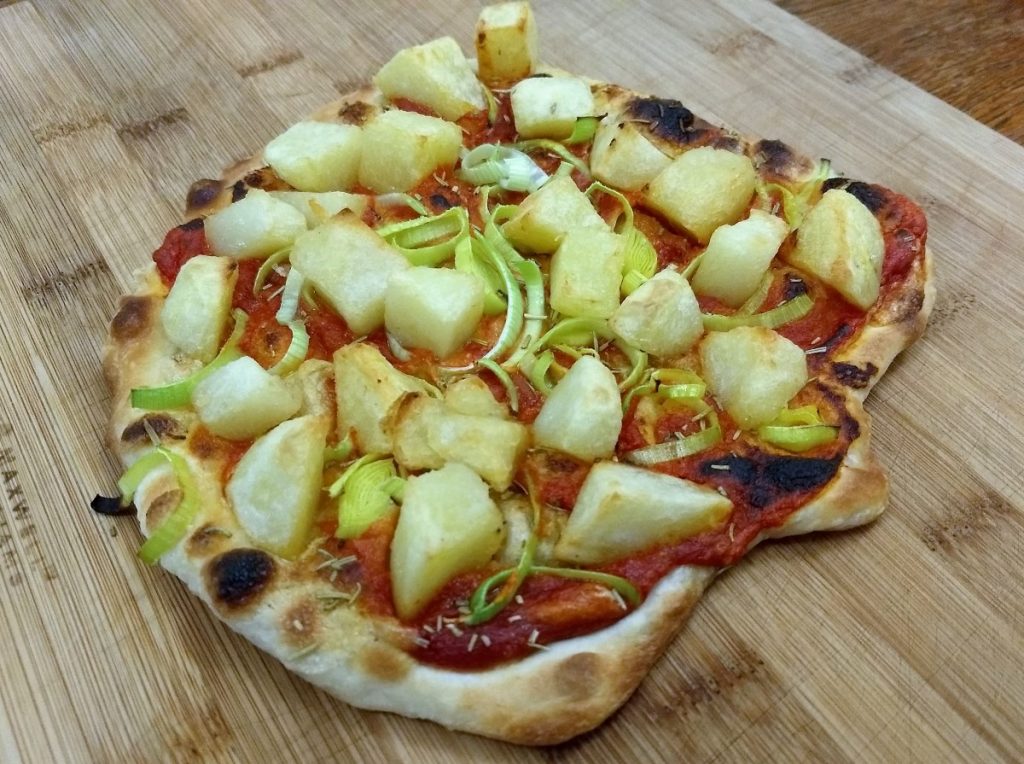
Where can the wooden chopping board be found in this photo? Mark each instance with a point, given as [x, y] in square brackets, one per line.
[899, 642]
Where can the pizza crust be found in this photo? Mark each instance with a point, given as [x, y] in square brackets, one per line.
[549, 697]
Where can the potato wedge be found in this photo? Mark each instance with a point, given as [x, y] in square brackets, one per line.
[196, 309]
[840, 242]
[753, 372]
[623, 157]
[547, 215]
[583, 414]
[702, 189]
[661, 317]
[350, 267]
[738, 256]
[254, 226]
[401, 148]
[275, 488]
[448, 525]
[436, 309]
[506, 42]
[436, 75]
[586, 271]
[241, 400]
[471, 395]
[548, 107]
[490, 447]
[317, 156]
[368, 392]
[622, 510]
[319, 207]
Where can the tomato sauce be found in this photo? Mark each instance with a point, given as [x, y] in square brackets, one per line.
[180, 245]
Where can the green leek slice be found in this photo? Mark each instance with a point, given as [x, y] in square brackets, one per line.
[492, 105]
[507, 166]
[339, 452]
[134, 475]
[366, 498]
[796, 205]
[583, 131]
[618, 583]
[428, 240]
[798, 438]
[688, 271]
[538, 374]
[335, 489]
[756, 300]
[638, 361]
[396, 199]
[506, 381]
[179, 394]
[469, 259]
[778, 316]
[172, 529]
[267, 266]
[641, 261]
[297, 349]
[677, 448]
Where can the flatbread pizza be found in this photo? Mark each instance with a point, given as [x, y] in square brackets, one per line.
[457, 395]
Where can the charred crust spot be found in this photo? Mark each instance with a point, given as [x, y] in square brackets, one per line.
[908, 306]
[764, 477]
[838, 337]
[162, 425]
[853, 376]
[266, 179]
[795, 286]
[132, 318]
[238, 577]
[162, 506]
[207, 540]
[192, 225]
[871, 196]
[356, 113]
[667, 118]
[202, 193]
[775, 159]
[238, 191]
[728, 143]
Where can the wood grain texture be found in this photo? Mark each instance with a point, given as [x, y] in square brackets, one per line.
[899, 642]
[966, 52]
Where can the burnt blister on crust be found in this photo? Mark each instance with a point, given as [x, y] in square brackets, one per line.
[236, 578]
[356, 113]
[161, 425]
[871, 196]
[668, 119]
[132, 319]
[765, 477]
[773, 158]
[854, 376]
[238, 191]
[202, 193]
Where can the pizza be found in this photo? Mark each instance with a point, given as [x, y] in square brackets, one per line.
[458, 394]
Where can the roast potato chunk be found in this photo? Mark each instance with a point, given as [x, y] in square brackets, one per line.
[506, 42]
[241, 400]
[661, 317]
[254, 226]
[547, 215]
[448, 525]
[738, 256]
[548, 107]
[840, 242]
[583, 414]
[401, 148]
[433, 308]
[196, 309]
[471, 395]
[316, 156]
[275, 488]
[623, 157]
[753, 372]
[368, 391]
[622, 510]
[436, 75]
[586, 272]
[702, 189]
[428, 434]
[350, 266]
[318, 207]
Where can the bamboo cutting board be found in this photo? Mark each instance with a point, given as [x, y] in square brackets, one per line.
[899, 642]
